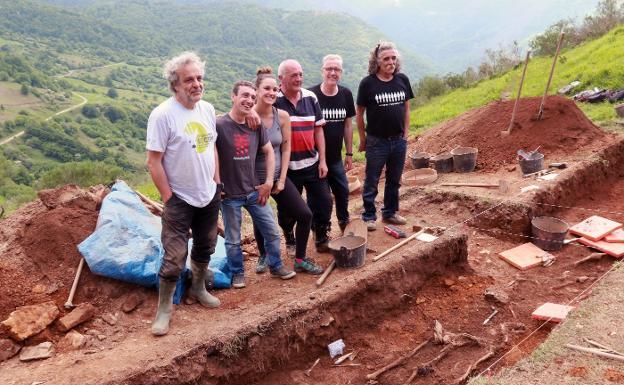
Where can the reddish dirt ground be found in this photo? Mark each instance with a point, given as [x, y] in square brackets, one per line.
[39, 257]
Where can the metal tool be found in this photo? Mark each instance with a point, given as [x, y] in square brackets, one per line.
[394, 231]
[552, 70]
[513, 114]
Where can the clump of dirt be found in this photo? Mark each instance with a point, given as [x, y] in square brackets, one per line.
[563, 129]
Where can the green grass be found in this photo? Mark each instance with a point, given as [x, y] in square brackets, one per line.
[595, 64]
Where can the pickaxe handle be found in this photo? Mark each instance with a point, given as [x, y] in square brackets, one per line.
[69, 304]
[472, 184]
[326, 273]
[406, 240]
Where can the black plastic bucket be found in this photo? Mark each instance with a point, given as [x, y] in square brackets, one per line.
[443, 163]
[548, 233]
[349, 251]
[420, 159]
[535, 164]
[464, 159]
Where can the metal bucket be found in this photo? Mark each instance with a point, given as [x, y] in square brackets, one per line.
[443, 163]
[548, 233]
[534, 164]
[464, 159]
[419, 159]
[349, 251]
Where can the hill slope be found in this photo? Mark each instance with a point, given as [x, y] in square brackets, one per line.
[595, 64]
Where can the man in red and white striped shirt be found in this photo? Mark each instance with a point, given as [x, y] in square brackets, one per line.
[307, 167]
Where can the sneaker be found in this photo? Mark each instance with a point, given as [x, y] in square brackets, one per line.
[238, 281]
[308, 266]
[261, 266]
[395, 219]
[371, 225]
[282, 273]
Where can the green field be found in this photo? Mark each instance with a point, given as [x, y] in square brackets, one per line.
[595, 64]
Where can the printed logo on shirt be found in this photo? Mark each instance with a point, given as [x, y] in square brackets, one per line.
[390, 98]
[334, 114]
[241, 146]
[202, 137]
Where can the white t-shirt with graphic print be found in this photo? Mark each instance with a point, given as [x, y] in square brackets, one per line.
[187, 139]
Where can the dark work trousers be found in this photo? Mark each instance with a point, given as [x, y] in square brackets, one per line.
[318, 196]
[337, 179]
[178, 217]
[290, 203]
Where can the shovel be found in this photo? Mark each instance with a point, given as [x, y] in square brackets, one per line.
[552, 70]
[513, 114]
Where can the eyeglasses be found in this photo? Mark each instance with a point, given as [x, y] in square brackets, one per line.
[333, 69]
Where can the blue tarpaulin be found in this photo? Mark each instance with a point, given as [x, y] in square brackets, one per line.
[126, 244]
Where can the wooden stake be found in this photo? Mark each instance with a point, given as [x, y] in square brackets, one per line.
[595, 351]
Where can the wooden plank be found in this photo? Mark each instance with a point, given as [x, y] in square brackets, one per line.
[595, 228]
[614, 249]
[524, 257]
[616, 237]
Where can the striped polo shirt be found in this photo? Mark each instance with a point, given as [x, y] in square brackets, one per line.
[306, 115]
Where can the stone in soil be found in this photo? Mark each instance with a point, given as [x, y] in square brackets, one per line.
[29, 320]
[72, 341]
[80, 314]
[496, 294]
[42, 351]
[8, 349]
[132, 302]
[110, 319]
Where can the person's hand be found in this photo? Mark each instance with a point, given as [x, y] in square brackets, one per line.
[348, 163]
[278, 187]
[362, 146]
[264, 191]
[165, 198]
[253, 120]
[322, 169]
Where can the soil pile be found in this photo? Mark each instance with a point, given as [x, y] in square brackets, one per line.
[38, 250]
[563, 129]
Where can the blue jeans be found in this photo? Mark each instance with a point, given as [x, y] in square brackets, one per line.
[380, 152]
[263, 218]
[337, 179]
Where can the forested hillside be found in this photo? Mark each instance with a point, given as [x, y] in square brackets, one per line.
[78, 78]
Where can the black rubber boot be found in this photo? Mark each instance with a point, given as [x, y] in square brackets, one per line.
[321, 240]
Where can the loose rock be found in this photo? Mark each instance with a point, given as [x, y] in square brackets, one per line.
[42, 351]
[132, 302]
[72, 341]
[29, 320]
[80, 314]
[496, 294]
[110, 319]
[8, 349]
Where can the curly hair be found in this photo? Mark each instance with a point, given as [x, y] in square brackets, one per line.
[264, 73]
[373, 59]
[170, 69]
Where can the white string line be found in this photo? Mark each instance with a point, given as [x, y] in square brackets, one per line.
[575, 299]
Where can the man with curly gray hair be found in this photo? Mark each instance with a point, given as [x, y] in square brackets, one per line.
[384, 95]
[182, 160]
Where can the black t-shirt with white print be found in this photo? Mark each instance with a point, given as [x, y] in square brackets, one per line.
[385, 104]
[335, 109]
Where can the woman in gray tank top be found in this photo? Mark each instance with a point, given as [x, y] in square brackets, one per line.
[292, 211]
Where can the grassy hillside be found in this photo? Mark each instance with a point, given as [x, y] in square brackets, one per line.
[597, 63]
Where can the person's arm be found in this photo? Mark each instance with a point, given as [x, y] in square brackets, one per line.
[285, 150]
[264, 190]
[359, 119]
[407, 120]
[253, 120]
[319, 139]
[157, 171]
[348, 139]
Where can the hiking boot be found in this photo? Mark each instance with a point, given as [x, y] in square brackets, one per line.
[371, 225]
[198, 286]
[160, 326]
[291, 244]
[307, 266]
[238, 281]
[282, 273]
[261, 266]
[395, 219]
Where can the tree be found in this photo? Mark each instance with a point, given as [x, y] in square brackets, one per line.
[112, 93]
[25, 90]
[90, 111]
